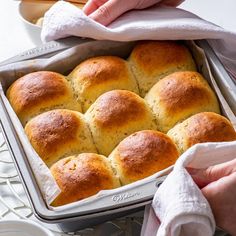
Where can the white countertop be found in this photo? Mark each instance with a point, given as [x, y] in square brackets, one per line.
[14, 38]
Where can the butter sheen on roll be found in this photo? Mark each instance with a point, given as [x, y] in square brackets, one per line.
[98, 75]
[200, 128]
[82, 176]
[178, 96]
[115, 115]
[59, 133]
[152, 60]
[40, 91]
[142, 154]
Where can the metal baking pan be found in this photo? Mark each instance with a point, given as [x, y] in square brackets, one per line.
[112, 206]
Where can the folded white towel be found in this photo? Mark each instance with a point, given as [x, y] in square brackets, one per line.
[179, 208]
[158, 23]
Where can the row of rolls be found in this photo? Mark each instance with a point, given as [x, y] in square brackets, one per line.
[111, 121]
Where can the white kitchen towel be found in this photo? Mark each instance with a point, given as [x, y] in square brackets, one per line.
[179, 208]
[158, 23]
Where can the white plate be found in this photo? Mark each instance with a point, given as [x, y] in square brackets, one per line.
[22, 228]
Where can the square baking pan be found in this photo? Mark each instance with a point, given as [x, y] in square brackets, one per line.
[126, 200]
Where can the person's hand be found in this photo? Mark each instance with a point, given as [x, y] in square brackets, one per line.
[105, 11]
[218, 185]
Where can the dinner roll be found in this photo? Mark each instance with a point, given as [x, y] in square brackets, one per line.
[200, 128]
[98, 75]
[142, 154]
[59, 133]
[39, 91]
[178, 96]
[82, 176]
[115, 115]
[152, 60]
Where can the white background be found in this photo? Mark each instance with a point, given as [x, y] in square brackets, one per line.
[14, 39]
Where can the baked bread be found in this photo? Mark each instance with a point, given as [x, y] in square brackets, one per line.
[98, 75]
[152, 60]
[143, 154]
[59, 133]
[40, 91]
[200, 128]
[82, 176]
[178, 96]
[115, 115]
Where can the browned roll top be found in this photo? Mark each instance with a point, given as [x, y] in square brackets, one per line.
[53, 129]
[209, 127]
[57, 133]
[200, 128]
[178, 96]
[39, 91]
[98, 70]
[159, 55]
[98, 75]
[118, 107]
[153, 60]
[183, 90]
[115, 115]
[82, 176]
[143, 154]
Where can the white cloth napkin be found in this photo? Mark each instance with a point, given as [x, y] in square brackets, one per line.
[159, 23]
[179, 208]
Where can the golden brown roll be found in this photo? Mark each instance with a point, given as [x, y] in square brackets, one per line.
[98, 75]
[178, 96]
[40, 91]
[82, 176]
[143, 154]
[200, 128]
[152, 60]
[115, 115]
[59, 133]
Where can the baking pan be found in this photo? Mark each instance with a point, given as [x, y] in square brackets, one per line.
[126, 200]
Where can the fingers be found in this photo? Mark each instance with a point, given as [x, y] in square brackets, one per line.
[92, 5]
[105, 11]
[202, 177]
[109, 11]
[218, 186]
[221, 196]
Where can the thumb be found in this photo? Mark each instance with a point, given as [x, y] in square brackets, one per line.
[203, 177]
[110, 10]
